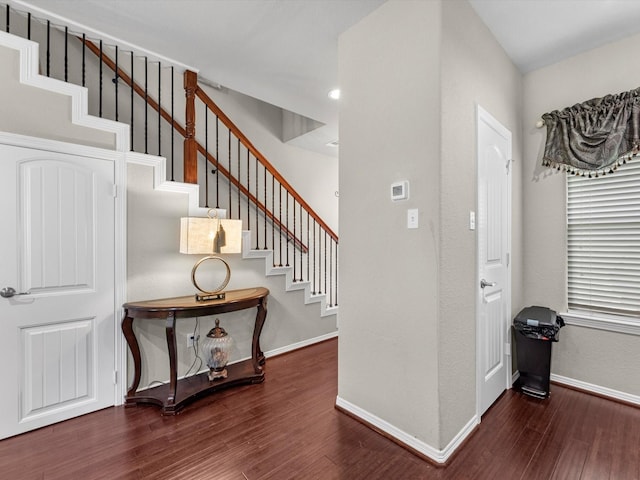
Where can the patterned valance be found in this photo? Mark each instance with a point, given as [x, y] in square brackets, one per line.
[595, 137]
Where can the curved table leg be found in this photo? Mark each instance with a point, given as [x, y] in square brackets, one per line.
[132, 342]
[169, 405]
[257, 355]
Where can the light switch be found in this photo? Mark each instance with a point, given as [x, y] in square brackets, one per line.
[412, 218]
[472, 220]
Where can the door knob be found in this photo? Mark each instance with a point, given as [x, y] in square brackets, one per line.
[484, 283]
[8, 292]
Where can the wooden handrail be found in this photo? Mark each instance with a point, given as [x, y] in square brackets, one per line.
[183, 131]
[202, 95]
[297, 242]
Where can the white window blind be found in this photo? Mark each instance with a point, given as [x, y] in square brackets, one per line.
[603, 237]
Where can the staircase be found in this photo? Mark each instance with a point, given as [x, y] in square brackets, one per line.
[201, 145]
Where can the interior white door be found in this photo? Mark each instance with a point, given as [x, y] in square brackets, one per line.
[494, 279]
[57, 246]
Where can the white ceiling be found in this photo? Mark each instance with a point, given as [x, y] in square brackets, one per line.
[535, 33]
[284, 52]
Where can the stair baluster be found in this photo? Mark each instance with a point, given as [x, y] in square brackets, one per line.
[278, 213]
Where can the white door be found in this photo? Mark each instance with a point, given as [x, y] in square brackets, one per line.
[56, 244]
[494, 245]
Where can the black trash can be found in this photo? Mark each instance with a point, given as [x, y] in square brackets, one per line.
[535, 330]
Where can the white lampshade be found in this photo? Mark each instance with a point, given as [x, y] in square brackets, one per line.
[210, 235]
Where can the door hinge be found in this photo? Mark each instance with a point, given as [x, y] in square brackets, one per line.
[508, 258]
[115, 190]
[115, 377]
[507, 349]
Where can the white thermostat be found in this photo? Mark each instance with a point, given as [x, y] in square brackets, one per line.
[400, 190]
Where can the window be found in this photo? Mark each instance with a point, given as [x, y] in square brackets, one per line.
[603, 241]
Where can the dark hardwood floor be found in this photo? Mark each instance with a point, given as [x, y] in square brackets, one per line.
[288, 428]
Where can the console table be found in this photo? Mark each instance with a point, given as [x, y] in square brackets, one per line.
[174, 395]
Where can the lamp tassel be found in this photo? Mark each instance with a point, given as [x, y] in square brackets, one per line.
[220, 240]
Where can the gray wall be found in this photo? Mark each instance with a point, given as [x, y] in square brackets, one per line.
[594, 356]
[412, 74]
[390, 131]
[32, 111]
[475, 71]
[156, 269]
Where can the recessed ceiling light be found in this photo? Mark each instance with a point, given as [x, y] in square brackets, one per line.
[334, 94]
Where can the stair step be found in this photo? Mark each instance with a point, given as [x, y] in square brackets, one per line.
[290, 283]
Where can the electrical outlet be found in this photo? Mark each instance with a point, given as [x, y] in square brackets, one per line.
[191, 339]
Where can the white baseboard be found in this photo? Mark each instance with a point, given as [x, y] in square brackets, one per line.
[597, 389]
[291, 347]
[302, 344]
[459, 438]
[438, 456]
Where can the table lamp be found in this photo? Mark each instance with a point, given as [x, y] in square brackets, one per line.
[208, 236]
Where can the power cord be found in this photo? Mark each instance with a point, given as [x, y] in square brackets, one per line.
[196, 352]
